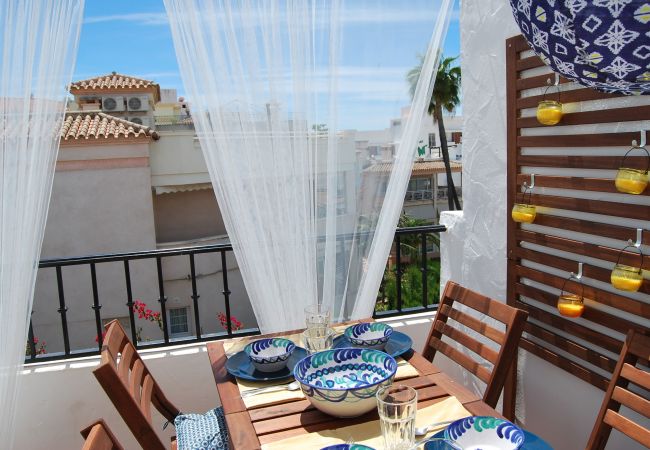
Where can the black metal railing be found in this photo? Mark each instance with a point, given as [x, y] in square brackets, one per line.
[425, 234]
[419, 260]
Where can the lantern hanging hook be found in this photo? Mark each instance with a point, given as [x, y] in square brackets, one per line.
[639, 238]
[555, 81]
[643, 141]
[531, 185]
[578, 276]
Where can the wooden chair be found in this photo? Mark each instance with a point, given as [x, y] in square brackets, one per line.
[514, 319]
[99, 437]
[635, 349]
[131, 387]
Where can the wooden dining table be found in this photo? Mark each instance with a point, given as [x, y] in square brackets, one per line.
[250, 428]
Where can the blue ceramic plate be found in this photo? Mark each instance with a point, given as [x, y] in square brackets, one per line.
[239, 365]
[397, 345]
[347, 447]
[531, 442]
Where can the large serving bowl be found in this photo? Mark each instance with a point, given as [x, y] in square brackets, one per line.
[369, 335]
[343, 382]
[483, 432]
[270, 355]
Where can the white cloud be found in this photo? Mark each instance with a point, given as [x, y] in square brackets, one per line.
[141, 18]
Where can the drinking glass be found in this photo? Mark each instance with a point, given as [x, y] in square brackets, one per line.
[317, 315]
[397, 405]
[317, 339]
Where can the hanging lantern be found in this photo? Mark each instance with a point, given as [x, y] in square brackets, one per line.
[627, 278]
[599, 44]
[632, 181]
[569, 304]
[549, 112]
[524, 212]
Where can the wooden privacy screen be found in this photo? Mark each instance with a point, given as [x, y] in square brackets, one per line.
[541, 255]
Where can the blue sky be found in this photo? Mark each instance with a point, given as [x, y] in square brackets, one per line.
[133, 37]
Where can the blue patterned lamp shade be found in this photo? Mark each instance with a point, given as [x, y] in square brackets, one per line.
[603, 44]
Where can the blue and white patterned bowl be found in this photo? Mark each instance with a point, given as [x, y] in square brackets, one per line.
[485, 433]
[343, 382]
[270, 355]
[369, 335]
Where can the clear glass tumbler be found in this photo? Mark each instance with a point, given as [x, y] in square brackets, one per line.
[397, 406]
[317, 316]
[317, 339]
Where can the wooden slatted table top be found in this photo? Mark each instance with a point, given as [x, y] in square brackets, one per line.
[252, 427]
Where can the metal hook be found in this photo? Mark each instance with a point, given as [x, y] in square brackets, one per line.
[643, 140]
[532, 182]
[639, 236]
[579, 275]
[554, 83]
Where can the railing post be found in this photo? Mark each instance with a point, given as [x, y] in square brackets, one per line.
[398, 271]
[162, 299]
[129, 303]
[423, 269]
[96, 306]
[226, 291]
[63, 310]
[195, 298]
[32, 345]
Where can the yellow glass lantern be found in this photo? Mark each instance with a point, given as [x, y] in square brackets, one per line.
[524, 212]
[627, 278]
[549, 112]
[632, 181]
[569, 304]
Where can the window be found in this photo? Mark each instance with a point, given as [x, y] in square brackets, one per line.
[178, 321]
[432, 140]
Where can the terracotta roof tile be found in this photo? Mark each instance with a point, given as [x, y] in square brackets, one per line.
[97, 125]
[419, 167]
[113, 81]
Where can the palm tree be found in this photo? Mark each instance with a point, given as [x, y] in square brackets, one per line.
[446, 95]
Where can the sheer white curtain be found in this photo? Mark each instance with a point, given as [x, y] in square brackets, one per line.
[275, 88]
[38, 42]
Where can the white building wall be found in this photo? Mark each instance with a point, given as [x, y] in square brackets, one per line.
[552, 403]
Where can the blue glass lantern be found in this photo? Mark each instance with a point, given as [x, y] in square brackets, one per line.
[602, 44]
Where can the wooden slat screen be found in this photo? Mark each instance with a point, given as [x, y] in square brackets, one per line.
[581, 217]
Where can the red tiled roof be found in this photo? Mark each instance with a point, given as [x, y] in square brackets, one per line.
[419, 167]
[97, 125]
[112, 81]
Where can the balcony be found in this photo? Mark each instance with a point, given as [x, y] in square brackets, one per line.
[174, 123]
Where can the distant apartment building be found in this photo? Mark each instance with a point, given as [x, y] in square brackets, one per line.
[130, 176]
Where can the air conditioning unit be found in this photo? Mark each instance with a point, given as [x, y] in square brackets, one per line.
[140, 120]
[139, 103]
[113, 103]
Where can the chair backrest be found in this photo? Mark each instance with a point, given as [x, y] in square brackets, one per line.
[635, 349]
[131, 387]
[99, 437]
[500, 360]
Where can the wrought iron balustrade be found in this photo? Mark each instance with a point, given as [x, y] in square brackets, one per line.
[423, 234]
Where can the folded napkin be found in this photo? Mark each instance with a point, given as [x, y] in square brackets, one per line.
[369, 433]
[404, 370]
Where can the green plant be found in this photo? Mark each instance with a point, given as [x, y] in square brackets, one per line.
[445, 95]
[411, 285]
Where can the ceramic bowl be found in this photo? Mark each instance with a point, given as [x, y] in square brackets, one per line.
[270, 355]
[369, 335]
[482, 432]
[343, 382]
[347, 447]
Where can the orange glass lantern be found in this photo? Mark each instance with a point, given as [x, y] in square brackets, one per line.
[549, 112]
[632, 181]
[524, 212]
[627, 278]
[569, 304]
